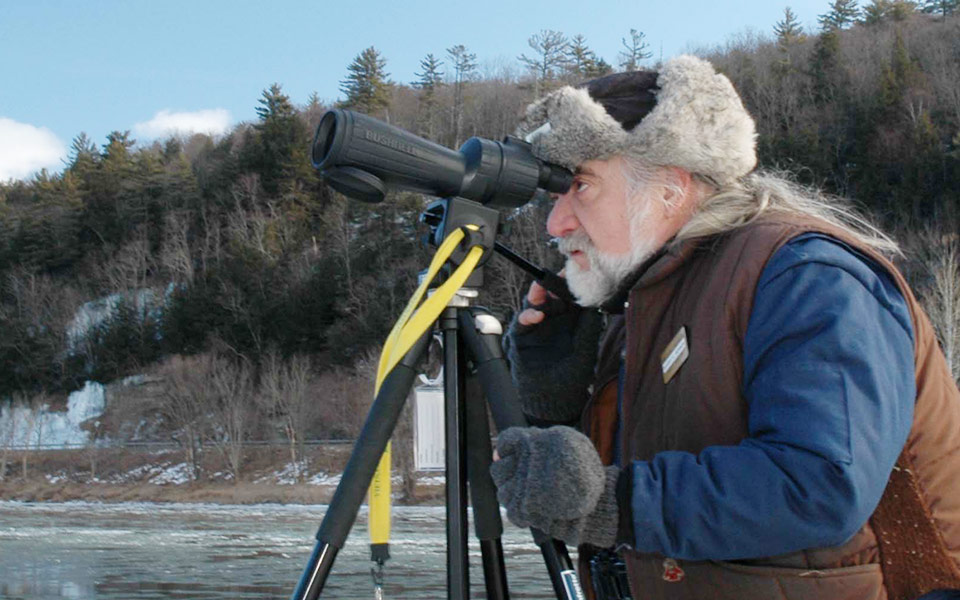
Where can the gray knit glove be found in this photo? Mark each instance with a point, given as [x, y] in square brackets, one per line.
[553, 480]
[552, 362]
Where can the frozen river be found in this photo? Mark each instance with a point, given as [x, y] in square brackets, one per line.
[140, 550]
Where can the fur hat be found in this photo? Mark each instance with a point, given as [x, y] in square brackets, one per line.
[687, 116]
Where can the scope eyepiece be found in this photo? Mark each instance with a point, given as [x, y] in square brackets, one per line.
[362, 157]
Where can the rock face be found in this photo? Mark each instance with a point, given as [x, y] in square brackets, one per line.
[131, 410]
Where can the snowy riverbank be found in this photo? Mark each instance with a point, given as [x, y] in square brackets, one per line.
[117, 475]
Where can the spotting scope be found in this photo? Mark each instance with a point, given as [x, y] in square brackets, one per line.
[363, 157]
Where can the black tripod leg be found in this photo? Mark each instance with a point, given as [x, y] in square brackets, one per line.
[458, 573]
[483, 494]
[481, 333]
[377, 429]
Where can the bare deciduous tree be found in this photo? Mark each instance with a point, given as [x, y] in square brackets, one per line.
[8, 433]
[635, 51]
[184, 402]
[464, 65]
[175, 256]
[129, 267]
[285, 393]
[942, 295]
[230, 411]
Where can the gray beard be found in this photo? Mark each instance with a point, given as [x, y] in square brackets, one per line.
[594, 286]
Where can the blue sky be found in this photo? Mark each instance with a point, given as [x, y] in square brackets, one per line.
[201, 65]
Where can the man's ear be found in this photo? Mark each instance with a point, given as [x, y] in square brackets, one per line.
[677, 189]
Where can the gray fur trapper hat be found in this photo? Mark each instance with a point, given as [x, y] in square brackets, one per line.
[686, 116]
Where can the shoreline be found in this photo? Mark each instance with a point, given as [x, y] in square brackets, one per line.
[193, 493]
[122, 475]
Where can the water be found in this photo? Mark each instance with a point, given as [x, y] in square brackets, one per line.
[142, 550]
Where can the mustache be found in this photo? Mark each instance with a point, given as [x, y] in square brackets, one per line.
[577, 240]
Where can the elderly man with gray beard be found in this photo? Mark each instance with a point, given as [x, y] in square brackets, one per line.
[747, 401]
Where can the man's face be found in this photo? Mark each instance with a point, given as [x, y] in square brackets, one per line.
[604, 234]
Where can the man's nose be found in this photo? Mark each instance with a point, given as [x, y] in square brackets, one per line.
[562, 221]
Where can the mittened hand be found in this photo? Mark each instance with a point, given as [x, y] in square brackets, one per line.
[550, 473]
[553, 480]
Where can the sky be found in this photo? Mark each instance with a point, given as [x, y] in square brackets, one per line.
[157, 67]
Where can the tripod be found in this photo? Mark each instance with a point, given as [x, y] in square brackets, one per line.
[469, 334]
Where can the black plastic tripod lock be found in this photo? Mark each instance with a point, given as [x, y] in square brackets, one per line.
[469, 334]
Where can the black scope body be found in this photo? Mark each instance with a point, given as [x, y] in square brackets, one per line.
[362, 157]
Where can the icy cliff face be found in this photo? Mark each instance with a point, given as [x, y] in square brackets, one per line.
[93, 314]
[21, 426]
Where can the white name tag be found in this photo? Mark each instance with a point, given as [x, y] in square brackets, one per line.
[675, 355]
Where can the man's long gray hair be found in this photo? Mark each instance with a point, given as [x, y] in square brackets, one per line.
[726, 208]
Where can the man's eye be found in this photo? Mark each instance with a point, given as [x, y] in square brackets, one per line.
[580, 186]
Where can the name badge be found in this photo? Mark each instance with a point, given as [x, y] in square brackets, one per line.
[675, 355]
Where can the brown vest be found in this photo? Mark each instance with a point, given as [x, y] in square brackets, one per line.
[708, 287]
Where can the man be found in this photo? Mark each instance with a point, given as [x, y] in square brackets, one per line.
[764, 378]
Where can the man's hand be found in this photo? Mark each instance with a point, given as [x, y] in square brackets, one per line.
[552, 349]
[536, 296]
[552, 479]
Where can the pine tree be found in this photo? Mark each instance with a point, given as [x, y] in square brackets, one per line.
[551, 57]
[876, 12]
[636, 51]
[788, 31]
[464, 65]
[367, 87]
[900, 10]
[825, 65]
[431, 75]
[581, 60]
[944, 7]
[117, 148]
[600, 69]
[898, 77]
[274, 105]
[83, 154]
[281, 155]
[276, 131]
[313, 111]
[842, 13]
[428, 80]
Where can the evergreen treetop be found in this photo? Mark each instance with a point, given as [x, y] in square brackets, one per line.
[274, 104]
[789, 30]
[430, 76]
[842, 14]
[581, 60]
[366, 87]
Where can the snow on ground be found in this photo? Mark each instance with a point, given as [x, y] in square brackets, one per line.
[324, 479]
[176, 474]
[21, 426]
[287, 475]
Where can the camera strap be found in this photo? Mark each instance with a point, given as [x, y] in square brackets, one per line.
[417, 318]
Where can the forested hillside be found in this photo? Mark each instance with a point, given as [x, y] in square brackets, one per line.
[228, 256]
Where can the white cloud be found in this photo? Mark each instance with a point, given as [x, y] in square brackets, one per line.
[165, 123]
[25, 149]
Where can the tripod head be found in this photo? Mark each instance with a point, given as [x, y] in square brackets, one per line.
[363, 157]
